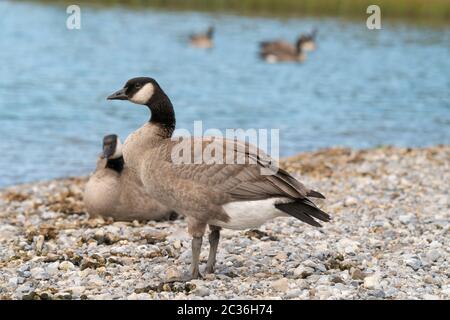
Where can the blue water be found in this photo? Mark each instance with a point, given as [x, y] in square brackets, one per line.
[360, 88]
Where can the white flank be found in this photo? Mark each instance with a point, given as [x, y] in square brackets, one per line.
[271, 58]
[249, 214]
[144, 94]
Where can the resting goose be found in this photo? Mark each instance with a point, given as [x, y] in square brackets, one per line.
[203, 40]
[282, 51]
[112, 191]
[235, 196]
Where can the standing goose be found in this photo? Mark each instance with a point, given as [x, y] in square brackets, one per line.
[112, 191]
[235, 196]
[282, 51]
[203, 40]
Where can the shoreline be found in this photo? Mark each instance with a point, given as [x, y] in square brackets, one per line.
[435, 11]
[391, 218]
[337, 153]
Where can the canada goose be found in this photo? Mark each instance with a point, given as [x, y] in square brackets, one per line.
[203, 40]
[112, 191]
[282, 51]
[235, 196]
[309, 41]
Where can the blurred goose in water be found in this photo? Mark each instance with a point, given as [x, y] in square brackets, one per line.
[113, 191]
[282, 51]
[203, 40]
[238, 195]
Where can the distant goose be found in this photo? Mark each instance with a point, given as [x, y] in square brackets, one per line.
[112, 191]
[203, 40]
[282, 51]
[235, 196]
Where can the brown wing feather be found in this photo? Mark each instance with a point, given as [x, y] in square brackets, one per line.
[238, 181]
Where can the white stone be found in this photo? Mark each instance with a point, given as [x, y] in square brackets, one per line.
[302, 271]
[52, 268]
[405, 218]
[350, 201]
[372, 282]
[66, 266]
[347, 246]
[12, 282]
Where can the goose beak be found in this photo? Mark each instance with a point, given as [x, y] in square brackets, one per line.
[118, 95]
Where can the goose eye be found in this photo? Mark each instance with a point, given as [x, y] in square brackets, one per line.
[138, 85]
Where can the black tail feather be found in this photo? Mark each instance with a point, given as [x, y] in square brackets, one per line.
[315, 194]
[304, 210]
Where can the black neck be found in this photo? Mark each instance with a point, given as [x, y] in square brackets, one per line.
[299, 48]
[162, 113]
[115, 164]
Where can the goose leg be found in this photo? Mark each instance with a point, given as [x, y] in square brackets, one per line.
[214, 237]
[197, 230]
[196, 248]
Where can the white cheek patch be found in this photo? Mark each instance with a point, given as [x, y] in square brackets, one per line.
[118, 152]
[144, 94]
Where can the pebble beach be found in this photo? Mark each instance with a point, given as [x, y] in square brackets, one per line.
[388, 239]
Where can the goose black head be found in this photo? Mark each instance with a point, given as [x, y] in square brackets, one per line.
[138, 90]
[112, 148]
[146, 91]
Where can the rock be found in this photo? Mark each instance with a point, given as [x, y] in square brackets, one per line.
[303, 272]
[8, 232]
[76, 291]
[293, 294]
[414, 263]
[347, 246]
[372, 282]
[94, 261]
[428, 279]
[281, 256]
[201, 291]
[350, 201]
[337, 279]
[172, 274]
[39, 244]
[13, 281]
[66, 266]
[99, 236]
[280, 284]
[310, 263]
[433, 255]
[177, 244]
[391, 292]
[139, 296]
[39, 273]
[358, 275]
[111, 238]
[377, 293]
[321, 267]
[52, 268]
[24, 288]
[405, 218]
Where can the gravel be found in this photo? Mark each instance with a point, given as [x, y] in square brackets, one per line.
[388, 239]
